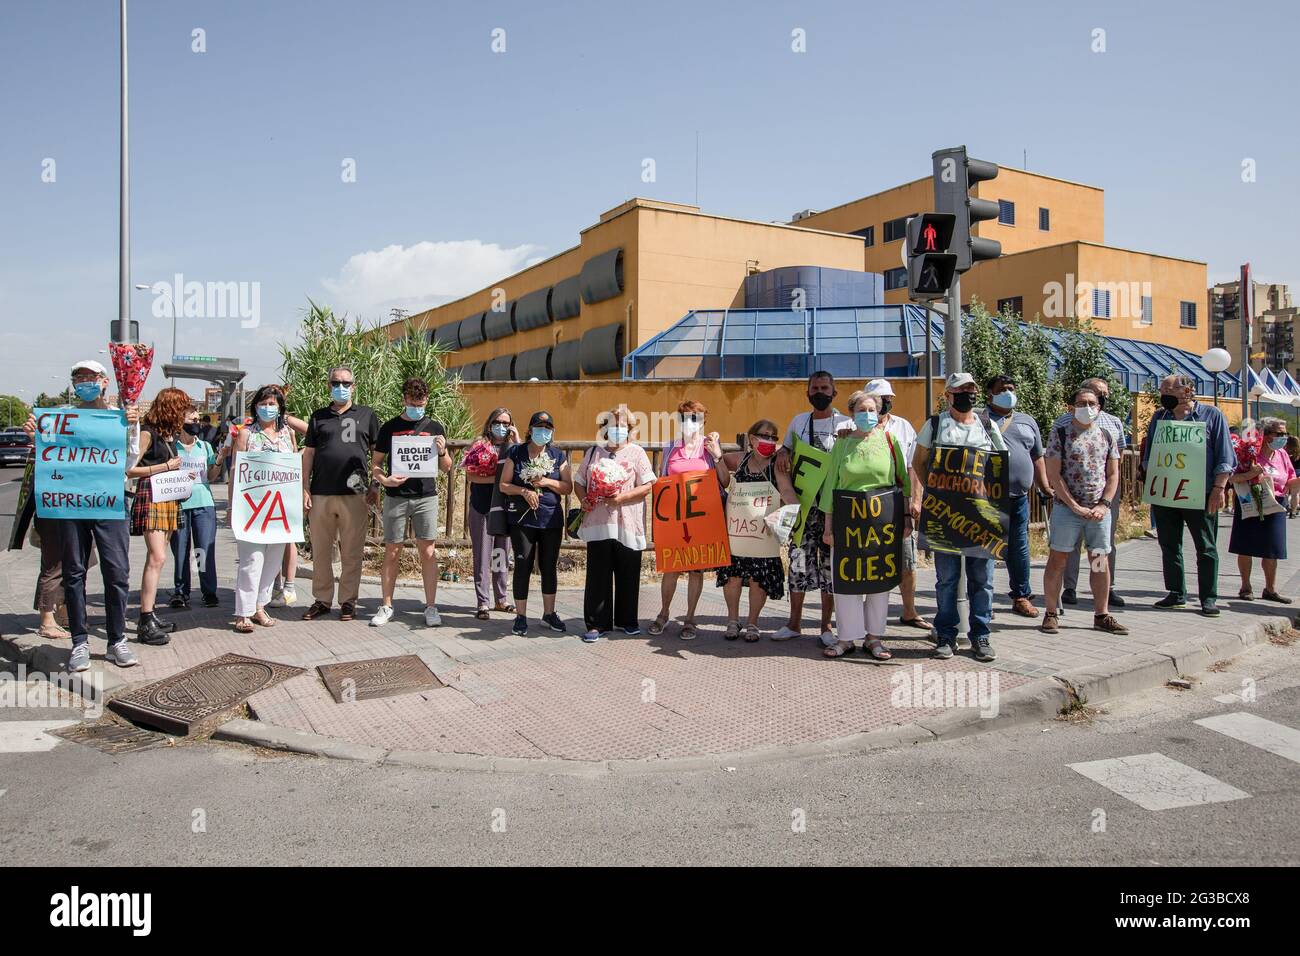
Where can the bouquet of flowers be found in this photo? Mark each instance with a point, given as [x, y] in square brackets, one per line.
[1249, 448]
[604, 480]
[481, 459]
[131, 364]
[535, 469]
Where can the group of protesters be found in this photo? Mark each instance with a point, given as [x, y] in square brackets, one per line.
[519, 482]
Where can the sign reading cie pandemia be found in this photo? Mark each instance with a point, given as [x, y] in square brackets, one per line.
[690, 530]
[964, 510]
[414, 456]
[867, 553]
[266, 507]
[80, 463]
[808, 465]
[1176, 468]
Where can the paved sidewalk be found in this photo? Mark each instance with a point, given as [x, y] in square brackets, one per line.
[548, 695]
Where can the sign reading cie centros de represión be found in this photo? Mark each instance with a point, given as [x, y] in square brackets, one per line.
[266, 506]
[80, 463]
[964, 510]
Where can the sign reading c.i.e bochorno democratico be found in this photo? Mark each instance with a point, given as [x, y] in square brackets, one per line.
[266, 504]
[80, 463]
[964, 510]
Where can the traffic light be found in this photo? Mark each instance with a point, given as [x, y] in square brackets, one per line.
[931, 267]
[954, 175]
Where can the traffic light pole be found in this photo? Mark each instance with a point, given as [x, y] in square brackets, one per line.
[952, 329]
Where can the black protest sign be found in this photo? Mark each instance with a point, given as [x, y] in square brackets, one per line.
[964, 510]
[867, 552]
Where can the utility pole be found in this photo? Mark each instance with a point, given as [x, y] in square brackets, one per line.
[122, 330]
[1246, 312]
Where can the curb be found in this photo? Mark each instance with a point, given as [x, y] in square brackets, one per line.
[42, 658]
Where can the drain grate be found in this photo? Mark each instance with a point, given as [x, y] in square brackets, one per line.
[378, 677]
[114, 738]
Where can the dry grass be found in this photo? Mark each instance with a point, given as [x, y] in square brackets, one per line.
[1286, 638]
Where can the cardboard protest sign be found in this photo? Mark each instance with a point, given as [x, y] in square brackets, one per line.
[1176, 468]
[964, 510]
[414, 456]
[266, 503]
[690, 531]
[195, 462]
[172, 485]
[867, 553]
[81, 463]
[748, 503]
[808, 466]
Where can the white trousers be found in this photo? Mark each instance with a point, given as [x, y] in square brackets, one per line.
[258, 566]
[861, 615]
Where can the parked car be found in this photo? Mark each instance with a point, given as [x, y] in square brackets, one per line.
[15, 447]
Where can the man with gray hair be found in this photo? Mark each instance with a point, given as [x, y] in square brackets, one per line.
[1178, 403]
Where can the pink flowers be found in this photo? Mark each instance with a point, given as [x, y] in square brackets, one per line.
[480, 459]
[605, 479]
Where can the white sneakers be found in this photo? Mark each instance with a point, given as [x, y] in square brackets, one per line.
[431, 618]
[120, 653]
[784, 633]
[80, 659]
[286, 596]
[382, 616]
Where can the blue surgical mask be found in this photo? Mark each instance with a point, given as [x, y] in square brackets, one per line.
[268, 413]
[87, 391]
[542, 436]
[341, 393]
[1278, 443]
[616, 434]
[500, 431]
[865, 421]
[1003, 401]
[415, 412]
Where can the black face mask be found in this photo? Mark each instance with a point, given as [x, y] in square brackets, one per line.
[963, 401]
[1169, 402]
[885, 405]
[820, 401]
[193, 428]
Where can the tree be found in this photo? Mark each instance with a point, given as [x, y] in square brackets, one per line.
[379, 366]
[1083, 356]
[1019, 349]
[13, 411]
[65, 397]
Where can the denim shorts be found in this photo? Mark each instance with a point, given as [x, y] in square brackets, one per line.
[423, 513]
[1068, 529]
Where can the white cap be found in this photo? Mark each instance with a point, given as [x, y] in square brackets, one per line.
[91, 365]
[879, 386]
[958, 380]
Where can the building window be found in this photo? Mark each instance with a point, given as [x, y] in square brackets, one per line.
[868, 235]
[1015, 304]
[1101, 303]
[1044, 219]
[1147, 314]
[895, 278]
[1006, 212]
[896, 228]
[1187, 315]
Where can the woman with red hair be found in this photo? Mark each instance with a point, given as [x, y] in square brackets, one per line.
[156, 520]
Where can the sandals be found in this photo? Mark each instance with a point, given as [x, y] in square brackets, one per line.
[482, 614]
[733, 630]
[752, 633]
[656, 627]
[262, 619]
[689, 631]
[839, 649]
[51, 632]
[504, 608]
[918, 622]
[244, 626]
[1270, 595]
[876, 648]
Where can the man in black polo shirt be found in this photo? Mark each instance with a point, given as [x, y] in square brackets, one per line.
[336, 463]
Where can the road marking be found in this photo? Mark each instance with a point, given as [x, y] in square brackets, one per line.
[1255, 730]
[1157, 782]
[29, 736]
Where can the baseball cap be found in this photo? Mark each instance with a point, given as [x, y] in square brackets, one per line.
[541, 418]
[90, 365]
[879, 386]
[959, 380]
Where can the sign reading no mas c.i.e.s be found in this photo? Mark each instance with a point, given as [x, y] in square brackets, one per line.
[964, 510]
[867, 551]
[1176, 468]
[80, 463]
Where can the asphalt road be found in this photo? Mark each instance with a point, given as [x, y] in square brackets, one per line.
[10, 480]
[1006, 797]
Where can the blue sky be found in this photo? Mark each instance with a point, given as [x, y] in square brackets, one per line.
[470, 163]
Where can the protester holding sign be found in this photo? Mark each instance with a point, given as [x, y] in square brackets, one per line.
[755, 487]
[410, 452]
[198, 519]
[690, 452]
[612, 483]
[1186, 461]
[160, 487]
[97, 518]
[940, 447]
[259, 561]
[1083, 466]
[1263, 536]
[482, 463]
[865, 532]
[803, 456]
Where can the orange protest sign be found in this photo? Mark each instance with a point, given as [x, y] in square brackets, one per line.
[690, 527]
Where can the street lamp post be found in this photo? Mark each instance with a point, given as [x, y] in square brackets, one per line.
[172, 302]
[1216, 361]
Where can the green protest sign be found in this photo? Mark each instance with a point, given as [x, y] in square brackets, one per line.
[1176, 468]
[808, 466]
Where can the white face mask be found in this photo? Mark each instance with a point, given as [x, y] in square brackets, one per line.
[690, 427]
[1086, 414]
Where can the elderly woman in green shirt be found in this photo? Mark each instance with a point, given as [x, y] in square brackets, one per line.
[865, 459]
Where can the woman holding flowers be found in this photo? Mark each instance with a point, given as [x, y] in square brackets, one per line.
[1263, 469]
[613, 481]
[537, 473]
[483, 462]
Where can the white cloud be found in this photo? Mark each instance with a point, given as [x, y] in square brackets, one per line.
[421, 276]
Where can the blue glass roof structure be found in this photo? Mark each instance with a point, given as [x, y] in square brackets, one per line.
[886, 341]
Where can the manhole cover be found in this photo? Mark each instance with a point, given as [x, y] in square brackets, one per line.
[380, 677]
[197, 700]
[113, 738]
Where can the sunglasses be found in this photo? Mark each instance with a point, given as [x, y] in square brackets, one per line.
[766, 437]
[334, 383]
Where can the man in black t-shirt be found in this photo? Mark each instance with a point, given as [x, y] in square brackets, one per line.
[335, 465]
[409, 496]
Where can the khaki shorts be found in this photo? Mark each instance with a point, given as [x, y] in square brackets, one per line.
[909, 552]
[423, 513]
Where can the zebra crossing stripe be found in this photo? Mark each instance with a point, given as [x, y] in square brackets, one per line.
[1255, 730]
[29, 736]
[1156, 782]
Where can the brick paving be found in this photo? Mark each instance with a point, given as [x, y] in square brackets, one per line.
[550, 695]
